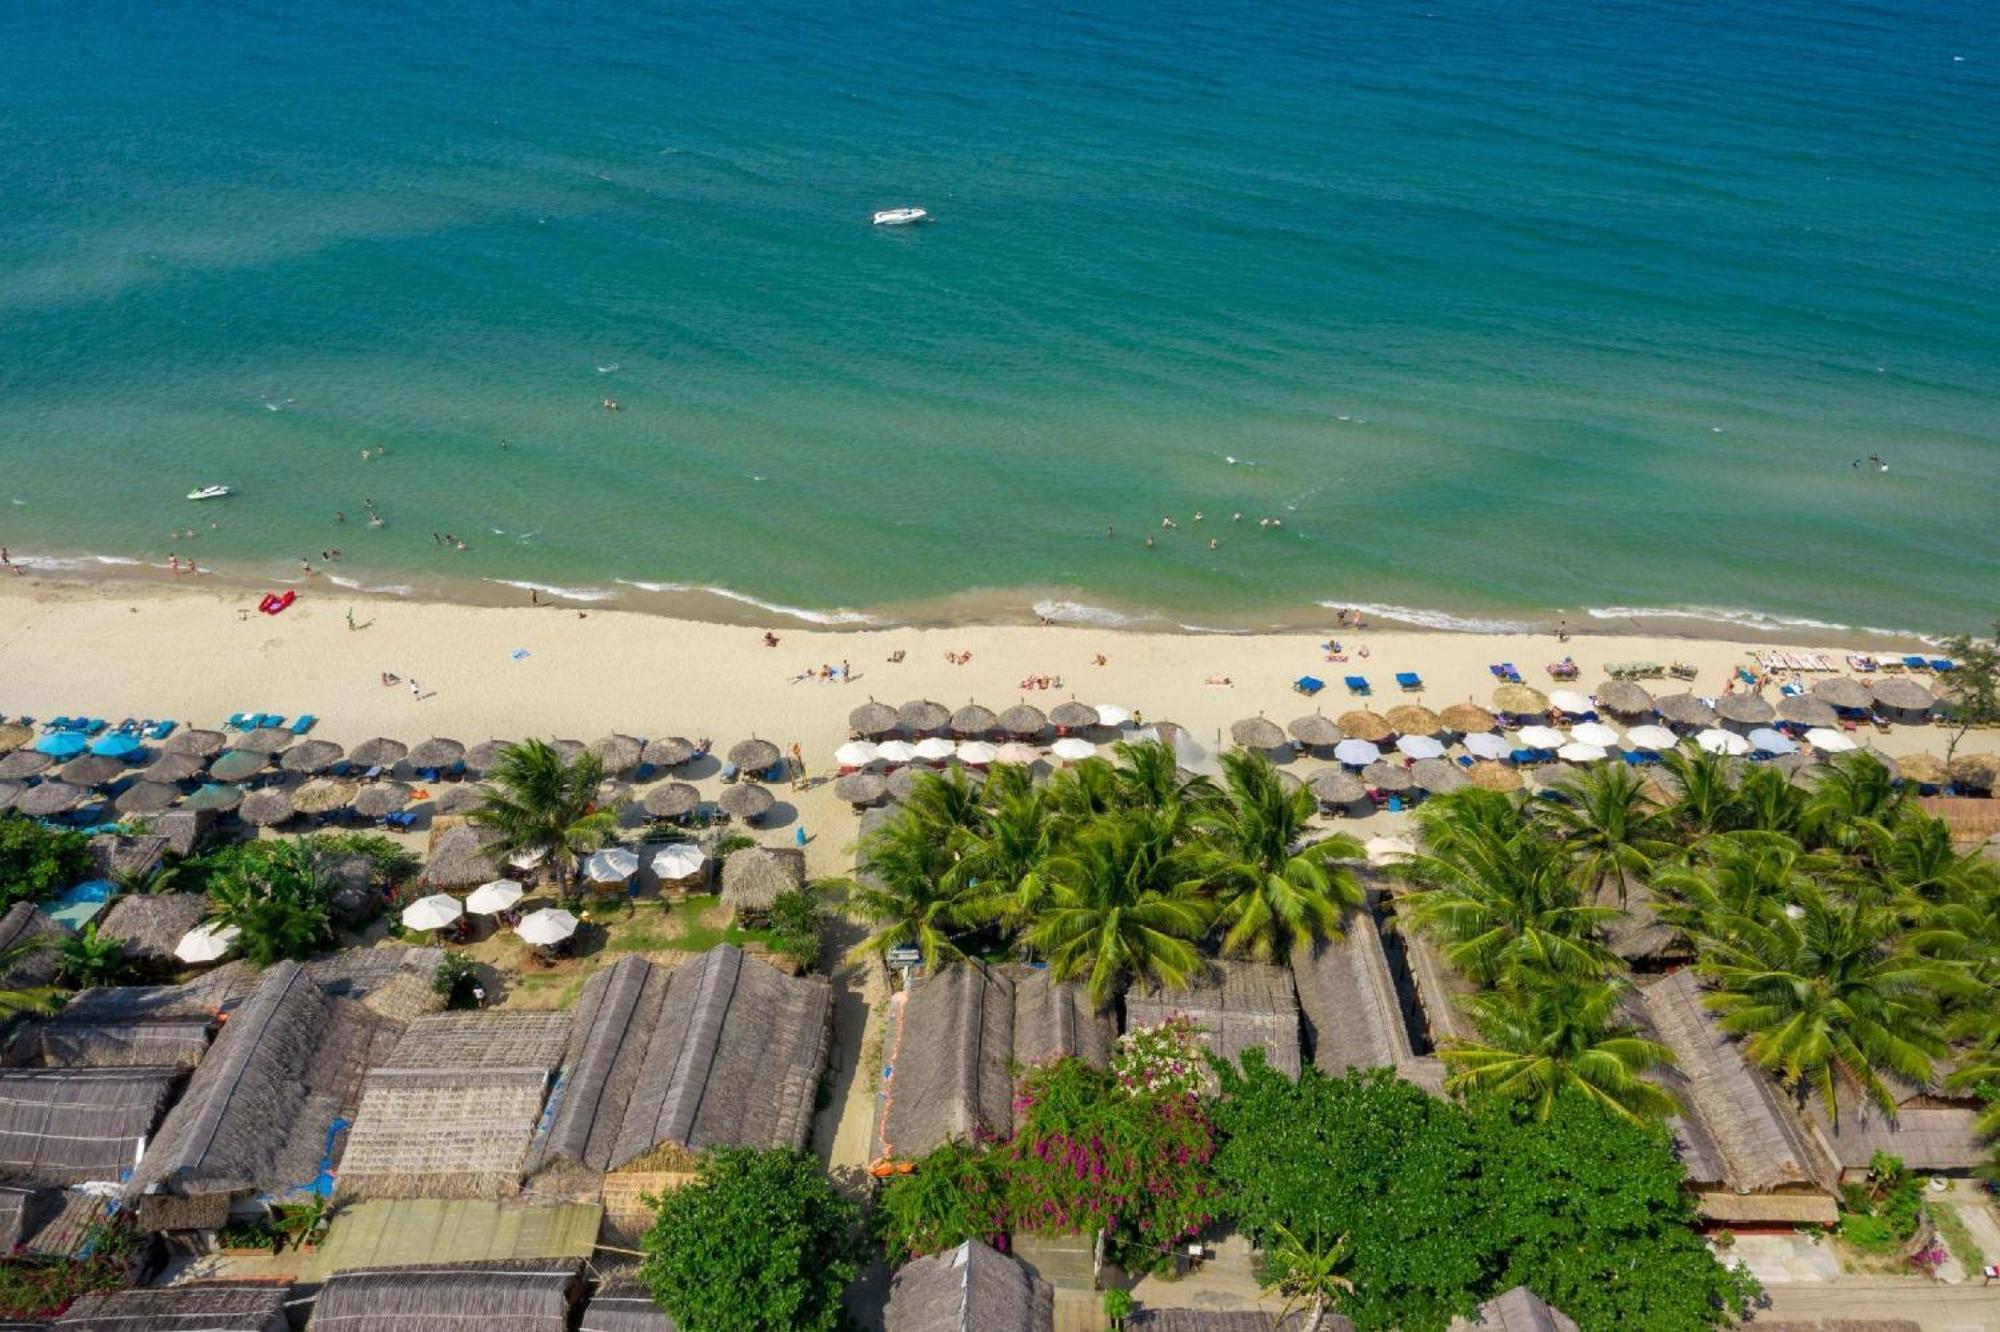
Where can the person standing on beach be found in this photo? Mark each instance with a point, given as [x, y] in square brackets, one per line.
[416, 691]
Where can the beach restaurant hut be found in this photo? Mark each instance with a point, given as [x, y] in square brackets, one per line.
[518, 1295]
[150, 925]
[63, 1126]
[461, 856]
[234, 1306]
[1516, 1310]
[972, 1288]
[954, 1042]
[1353, 1011]
[1237, 1005]
[753, 876]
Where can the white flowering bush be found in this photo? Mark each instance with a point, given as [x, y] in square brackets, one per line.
[1163, 1060]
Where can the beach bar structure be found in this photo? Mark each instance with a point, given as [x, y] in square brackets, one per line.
[971, 1288]
[1238, 1006]
[754, 876]
[1353, 1009]
[529, 1295]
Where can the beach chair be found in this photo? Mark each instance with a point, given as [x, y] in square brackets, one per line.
[93, 726]
[305, 723]
[731, 774]
[56, 724]
[1409, 680]
[1395, 804]
[1943, 664]
[1916, 663]
[1521, 758]
[264, 719]
[1510, 672]
[238, 721]
[1308, 685]
[1358, 684]
[162, 729]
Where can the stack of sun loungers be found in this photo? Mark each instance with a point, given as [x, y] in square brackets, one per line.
[1634, 670]
[1795, 661]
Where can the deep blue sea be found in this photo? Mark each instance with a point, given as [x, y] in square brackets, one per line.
[1502, 310]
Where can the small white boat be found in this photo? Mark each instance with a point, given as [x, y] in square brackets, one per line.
[900, 217]
[209, 493]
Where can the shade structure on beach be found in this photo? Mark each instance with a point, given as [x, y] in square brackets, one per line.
[547, 927]
[614, 864]
[1715, 740]
[378, 799]
[433, 912]
[1772, 741]
[667, 751]
[978, 753]
[1654, 738]
[214, 797]
[855, 754]
[1023, 719]
[1494, 777]
[1806, 710]
[974, 719]
[1111, 714]
[1386, 776]
[753, 755]
[436, 752]
[896, 751]
[619, 754]
[1570, 700]
[481, 758]
[1071, 749]
[1978, 771]
[1314, 729]
[1576, 751]
[1542, 737]
[1904, 695]
[1436, 775]
[1361, 724]
[93, 770]
[922, 714]
[1072, 715]
[381, 752]
[935, 749]
[1336, 786]
[1829, 741]
[493, 897]
[902, 782]
[172, 768]
[206, 942]
[1389, 850]
[1624, 698]
[1594, 733]
[747, 800]
[146, 798]
[238, 765]
[460, 798]
[13, 736]
[266, 808]
[1257, 733]
[61, 745]
[1467, 719]
[312, 756]
[1520, 700]
[1745, 709]
[1924, 769]
[324, 796]
[263, 740]
[1420, 746]
[873, 719]
[861, 788]
[569, 751]
[202, 744]
[1685, 710]
[682, 860]
[25, 763]
[1844, 691]
[1357, 753]
[50, 798]
[8, 792]
[1486, 745]
[1016, 752]
[1414, 719]
[671, 800]
[122, 745]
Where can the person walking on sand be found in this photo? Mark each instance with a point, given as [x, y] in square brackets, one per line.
[350, 619]
[416, 691]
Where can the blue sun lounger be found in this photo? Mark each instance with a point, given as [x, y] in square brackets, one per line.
[305, 723]
[238, 721]
[1916, 663]
[1943, 664]
[1308, 685]
[1358, 684]
[1409, 680]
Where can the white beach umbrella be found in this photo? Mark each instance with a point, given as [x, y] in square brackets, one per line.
[1595, 733]
[896, 751]
[490, 899]
[1357, 753]
[1568, 700]
[1578, 752]
[935, 748]
[679, 861]
[614, 864]
[1650, 737]
[1070, 749]
[1016, 752]
[550, 925]
[978, 753]
[855, 754]
[527, 860]
[1772, 741]
[1420, 746]
[1829, 741]
[1715, 740]
[433, 912]
[1110, 714]
[206, 942]
[1389, 850]
[1486, 745]
[1543, 737]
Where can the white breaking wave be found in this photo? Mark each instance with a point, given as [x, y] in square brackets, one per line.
[112, 559]
[837, 616]
[556, 590]
[1760, 621]
[383, 589]
[1432, 619]
[1076, 612]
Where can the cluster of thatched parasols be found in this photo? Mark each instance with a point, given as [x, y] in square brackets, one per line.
[890, 748]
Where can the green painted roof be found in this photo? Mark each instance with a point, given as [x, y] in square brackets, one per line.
[431, 1230]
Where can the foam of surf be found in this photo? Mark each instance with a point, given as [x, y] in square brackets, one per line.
[1077, 612]
[840, 615]
[1763, 622]
[380, 589]
[556, 590]
[1432, 619]
[112, 559]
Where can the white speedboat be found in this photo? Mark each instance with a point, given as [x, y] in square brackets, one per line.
[900, 217]
[209, 492]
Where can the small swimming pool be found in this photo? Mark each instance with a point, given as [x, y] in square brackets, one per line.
[81, 904]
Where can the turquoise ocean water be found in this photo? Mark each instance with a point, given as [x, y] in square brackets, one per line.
[1506, 309]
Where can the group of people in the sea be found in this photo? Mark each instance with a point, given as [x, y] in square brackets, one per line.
[1268, 522]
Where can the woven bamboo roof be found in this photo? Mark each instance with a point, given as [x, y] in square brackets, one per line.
[1239, 1004]
[1930, 1138]
[487, 1039]
[151, 926]
[48, 1223]
[25, 920]
[624, 1304]
[1516, 1310]
[234, 1306]
[529, 1295]
[1786, 1209]
[970, 1288]
[403, 1231]
[442, 1132]
[1348, 997]
[753, 876]
[78, 1125]
[121, 1027]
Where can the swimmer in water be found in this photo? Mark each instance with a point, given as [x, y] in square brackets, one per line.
[1149, 543]
[611, 404]
[1166, 522]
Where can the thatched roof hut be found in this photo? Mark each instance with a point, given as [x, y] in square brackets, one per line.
[720, 1051]
[1353, 1012]
[24, 921]
[124, 1026]
[619, 754]
[313, 756]
[974, 719]
[214, 798]
[380, 752]
[1388, 775]
[922, 714]
[1468, 719]
[1024, 719]
[15, 736]
[376, 799]
[753, 876]
[1928, 1134]
[239, 765]
[1438, 776]
[1516, 1310]
[234, 1306]
[1745, 709]
[1520, 700]
[1903, 694]
[483, 757]
[9, 789]
[324, 795]
[1414, 719]
[1314, 729]
[861, 788]
[1685, 710]
[266, 808]
[747, 800]
[48, 1223]
[1438, 987]
[1978, 771]
[1238, 1005]
[461, 857]
[1807, 710]
[170, 768]
[151, 926]
[1638, 935]
[1844, 691]
[971, 1288]
[1228, 1320]
[671, 800]
[461, 798]
[624, 1304]
[1071, 715]
[455, 1130]
[78, 1125]
[1337, 786]
[753, 755]
[528, 1295]
[667, 751]
[263, 740]
[1256, 733]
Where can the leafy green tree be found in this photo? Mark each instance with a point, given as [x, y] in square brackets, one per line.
[37, 862]
[795, 926]
[1704, 797]
[1972, 689]
[20, 1000]
[85, 960]
[907, 893]
[1122, 909]
[757, 1240]
[544, 805]
[147, 882]
[280, 899]
[957, 1193]
[1609, 826]
[1854, 804]
[1274, 890]
[1541, 1037]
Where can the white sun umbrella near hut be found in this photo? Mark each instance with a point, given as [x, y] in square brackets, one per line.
[681, 860]
[1389, 850]
[1569, 700]
[1650, 737]
[1829, 741]
[1543, 737]
[1578, 752]
[1357, 753]
[978, 753]
[547, 927]
[1772, 741]
[614, 864]
[433, 912]
[1595, 733]
[206, 942]
[855, 754]
[490, 899]
[896, 751]
[935, 749]
[1070, 749]
[1017, 753]
[1715, 740]
[1484, 744]
[1420, 746]
[1110, 714]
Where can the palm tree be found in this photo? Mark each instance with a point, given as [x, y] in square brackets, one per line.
[88, 960]
[1307, 1274]
[1918, 864]
[1003, 862]
[1737, 880]
[1272, 893]
[1768, 803]
[147, 883]
[1121, 908]
[545, 806]
[907, 892]
[1826, 992]
[1609, 826]
[1542, 1034]
[1149, 777]
[21, 1000]
[1706, 802]
[1856, 802]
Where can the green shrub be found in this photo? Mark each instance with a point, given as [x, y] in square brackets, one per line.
[956, 1193]
[795, 926]
[1871, 1234]
[455, 977]
[38, 862]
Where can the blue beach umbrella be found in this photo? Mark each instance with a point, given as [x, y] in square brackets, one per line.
[117, 745]
[62, 745]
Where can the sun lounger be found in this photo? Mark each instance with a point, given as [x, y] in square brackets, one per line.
[1510, 672]
[1308, 685]
[93, 726]
[1395, 804]
[1358, 684]
[305, 723]
[731, 773]
[237, 721]
[1943, 664]
[402, 818]
[1409, 680]
[264, 719]
[57, 724]
[1916, 663]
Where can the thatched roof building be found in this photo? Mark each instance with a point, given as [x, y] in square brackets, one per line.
[150, 927]
[1935, 1135]
[406, 1231]
[1439, 987]
[23, 921]
[112, 854]
[721, 1050]
[753, 876]
[49, 1222]
[123, 1026]
[955, 1041]
[1237, 1004]
[219, 1307]
[1640, 937]
[78, 1125]
[530, 1296]
[1735, 1138]
[624, 1304]
[1516, 1310]
[1353, 1010]
[968, 1289]
[1227, 1320]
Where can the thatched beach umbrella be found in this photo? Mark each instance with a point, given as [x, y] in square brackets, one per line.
[1807, 710]
[1844, 691]
[569, 751]
[92, 770]
[50, 798]
[1414, 719]
[1386, 776]
[667, 752]
[1493, 777]
[172, 768]
[25, 763]
[861, 788]
[214, 798]
[1684, 710]
[1904, 695]
[1468, 719]
[434, 753]
[921, 714]
[263, 740]
[1317, 729]
[13, 737]
[1624, 698]
[313, 756]
[1437, 775]
[1362, 724]
[673, 800]
[1520, 700]
[201, 744]
[873, 719]
[1023, 719]
[461, 857]
[1337, 786]
[1256, 733]
[10, 790]
[1744, 709]
[618, 753]
[480, 758]
[1924, 769]
[238, 765]
[461, 798]
[1550, 775]
[381, 752]
[902, 782]
[747, 800]
[1072, 715]
[324, 796]
[1978, 771]
[377, 799]
[973, 719]
[265, 808]
[753, 755]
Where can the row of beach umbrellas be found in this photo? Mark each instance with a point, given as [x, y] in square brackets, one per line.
[875, 720]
